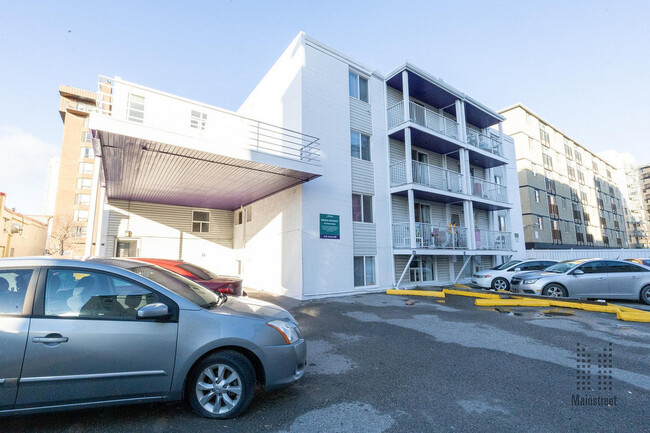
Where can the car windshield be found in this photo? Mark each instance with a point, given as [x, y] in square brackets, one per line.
[562, 267]
[200, 273]
[506, 265]
[184, 287]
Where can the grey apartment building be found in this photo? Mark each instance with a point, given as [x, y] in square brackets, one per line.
[569, 198]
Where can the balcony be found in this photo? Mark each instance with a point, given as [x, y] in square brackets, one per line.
[427, 175]
[489, 190]
[553, 211]
[557, 236]
[493, 240]
[430, 236]
[153, 147]
[481, 141]
[424, 117]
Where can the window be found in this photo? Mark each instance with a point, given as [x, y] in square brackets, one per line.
[13, 288]
[80, 293]
[80, 215]
[358, 87]
[537, 198]
[85, 168]
[249, 214]
[83, 199]
[360, 145]
[422, 213]
[567, 150]
[581, 177]
[570, 171]
[86, 152]
[593, 267]
[422, 268]
[578, 157]
[80, 231]
[566, 226]
[609, 175]
[84, 183]
[564, 202]
[362, 208]
[198, 119]
[548, 161]
[364, 271]
[539, 225]
[239, 217]
[200, 221]
[583, 197]
[594, 165]
[135, 110]
[85, 137]
[543, 136]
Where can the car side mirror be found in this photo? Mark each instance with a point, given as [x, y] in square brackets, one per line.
[153, 311]
[517, 269]
[578, 272]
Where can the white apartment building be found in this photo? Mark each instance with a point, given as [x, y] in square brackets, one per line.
[569, 195]
[330, 179]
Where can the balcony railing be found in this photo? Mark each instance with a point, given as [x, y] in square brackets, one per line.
[489, 190]
[211, 123]
[553, 211]
[557, 236]
[493, 240]
[489, 143]
[424, 117]
[430, 236]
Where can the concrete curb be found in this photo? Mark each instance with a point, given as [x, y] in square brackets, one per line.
[428, 293]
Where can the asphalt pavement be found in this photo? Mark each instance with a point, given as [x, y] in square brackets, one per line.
[379, 365]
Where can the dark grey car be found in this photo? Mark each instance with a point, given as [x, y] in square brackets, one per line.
[78, 334]
[588, 278]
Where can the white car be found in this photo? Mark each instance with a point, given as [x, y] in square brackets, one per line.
[498, 278]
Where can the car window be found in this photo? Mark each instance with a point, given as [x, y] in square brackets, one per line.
[530, 266]
[547, 264]
[75, 293]
[617, 267]
[593, 268]
[200, 273]
[636, 268]
[13, 288]
[506, 265]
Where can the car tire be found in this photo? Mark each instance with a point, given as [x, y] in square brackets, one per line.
[644, 296]
[500, 284]
[222, 385]
[554, 290]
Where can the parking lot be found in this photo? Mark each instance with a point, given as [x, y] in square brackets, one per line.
[377, 364]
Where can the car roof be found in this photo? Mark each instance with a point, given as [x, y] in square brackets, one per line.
[152, 260]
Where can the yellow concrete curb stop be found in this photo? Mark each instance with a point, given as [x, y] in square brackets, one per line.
[512, 303]
[415, 293]
[471, 294]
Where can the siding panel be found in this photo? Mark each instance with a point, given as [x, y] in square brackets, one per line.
[400, 209]
[442, 268]
[393, 96]
[400, 264]
[360, 117]
[397, 151]
[363, 178]
[365, 239]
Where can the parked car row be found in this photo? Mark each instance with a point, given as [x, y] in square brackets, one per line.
[78, 334]
[583, 278]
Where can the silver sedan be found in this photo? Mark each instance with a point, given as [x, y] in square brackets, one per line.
[589, 278]
[78, 334]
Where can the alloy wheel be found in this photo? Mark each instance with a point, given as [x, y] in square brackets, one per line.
[554, 292]
[218, 389]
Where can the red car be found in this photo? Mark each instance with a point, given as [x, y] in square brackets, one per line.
[216, 283]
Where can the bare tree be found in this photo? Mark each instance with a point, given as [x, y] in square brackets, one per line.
[62, 235]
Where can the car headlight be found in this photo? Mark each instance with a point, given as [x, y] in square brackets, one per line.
[485, 276]
[531, 281]
[288, 330]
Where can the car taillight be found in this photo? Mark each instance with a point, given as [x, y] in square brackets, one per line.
[228, 290]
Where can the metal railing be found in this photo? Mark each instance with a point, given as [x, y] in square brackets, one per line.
[493, 240]
[484, 142]
[398, 173]
[396, 115]
[437, 177]
[430, 236]
[432, 120]
[489, 190]
[217, 125]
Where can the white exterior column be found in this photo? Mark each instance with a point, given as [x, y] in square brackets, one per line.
[405, 96]
[90, 227]
[468, 213]
[408, 160]
[411, 200]
[102, 233]
[463, 159]
[460, 118]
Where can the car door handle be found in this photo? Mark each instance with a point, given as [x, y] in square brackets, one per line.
[601, 278]
[50, 340]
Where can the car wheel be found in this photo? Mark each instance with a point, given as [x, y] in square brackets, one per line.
[500, 284]
[555, 291]
[222, 385]
[645, 295]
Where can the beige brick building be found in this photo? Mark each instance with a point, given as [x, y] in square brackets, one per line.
[569, 197]
[20, 235]
[77, 174]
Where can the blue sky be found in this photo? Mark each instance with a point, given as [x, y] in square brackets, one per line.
[582, 65]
